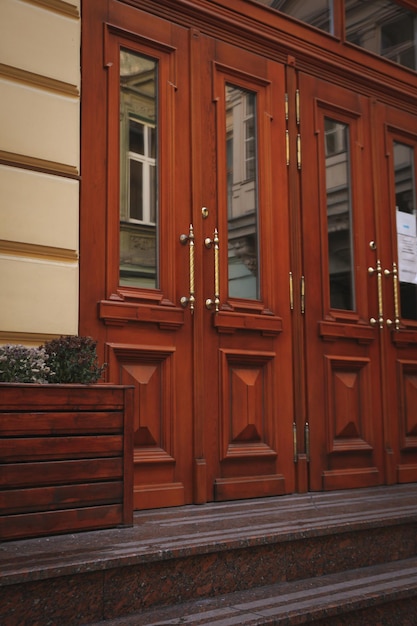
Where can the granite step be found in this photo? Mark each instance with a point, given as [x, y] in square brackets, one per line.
[207, 552]
[384, 594]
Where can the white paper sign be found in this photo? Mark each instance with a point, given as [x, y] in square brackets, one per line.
[407, 247]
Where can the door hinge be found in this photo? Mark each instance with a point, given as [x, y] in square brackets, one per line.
[307, 440]
[287, 132]
[287, 146]
[291, 292]
[299, 151]
[297, 119]
[294, 442]
[302, 294]
[297, 106]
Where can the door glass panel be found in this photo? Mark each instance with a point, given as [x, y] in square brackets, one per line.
[406, 209]
[242, 194]
[138, 171]
[339, 214]
[318, 13]
[383, 27]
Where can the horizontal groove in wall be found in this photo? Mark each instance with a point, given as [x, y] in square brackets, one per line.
[38, 165]
[37, 80]
[59, 6]
[17, 248]
[27, 339]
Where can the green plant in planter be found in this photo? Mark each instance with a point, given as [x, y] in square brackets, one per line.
[73, 359]
[20, 364]
[68, 359]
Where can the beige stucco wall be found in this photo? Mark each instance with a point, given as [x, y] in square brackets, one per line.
[39, 168]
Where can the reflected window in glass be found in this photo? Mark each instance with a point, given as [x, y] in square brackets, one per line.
[138, 171]
[318, 13]
[242, 193]
[339, 215]
[383, 27]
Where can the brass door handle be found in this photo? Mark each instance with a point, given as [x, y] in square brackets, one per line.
[378, 271]
[184, 239]
[394, 274]
[210, 302]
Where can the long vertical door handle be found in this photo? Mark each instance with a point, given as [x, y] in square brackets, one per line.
[394, 274]
[210, 302]
[184, 239]
[378, 271]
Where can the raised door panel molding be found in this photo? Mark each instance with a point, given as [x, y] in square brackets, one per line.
[247, 407]
[349, 408]
[151, 370]
[121, 313]
[229, 322]
[407, 376]
[332, 331]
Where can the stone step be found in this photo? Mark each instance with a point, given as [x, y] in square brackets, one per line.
[381, 594]
[188, 554]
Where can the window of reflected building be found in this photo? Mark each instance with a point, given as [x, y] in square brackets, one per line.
[339, 215]
[383, 27]
[138, 171]
[318, 13]
[242, 193]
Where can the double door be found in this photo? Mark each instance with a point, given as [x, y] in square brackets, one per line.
[228, 210]
[359, 259]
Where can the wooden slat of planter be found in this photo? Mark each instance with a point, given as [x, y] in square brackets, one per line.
[13, 475]
[59, 448]
[23, 397]
[52, 498]
[53, 522]
[68, 422]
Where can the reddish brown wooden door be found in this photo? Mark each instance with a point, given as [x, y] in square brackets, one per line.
[344, 422]
[243, 375]
[184, 200]
[396, 147]
[136, 203]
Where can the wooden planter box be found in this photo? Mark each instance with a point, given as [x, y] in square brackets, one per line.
[66, 458]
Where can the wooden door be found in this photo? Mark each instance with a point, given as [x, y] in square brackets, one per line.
[344, 423]
[396, 153]
[243, 371]
[135, 205]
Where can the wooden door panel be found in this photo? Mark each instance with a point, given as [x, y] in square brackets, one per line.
[246, 404]
[350, 428]
[342, 350]
[394, 127]
[248, 413]
[144, 334]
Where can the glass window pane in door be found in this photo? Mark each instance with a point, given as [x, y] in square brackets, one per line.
[138, 171]
[318, 13]
[406, 210]
[339, 215]
[242, 193]
[383, 27]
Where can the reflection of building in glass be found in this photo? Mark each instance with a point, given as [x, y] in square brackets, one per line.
[241, 154]
[318, 13]
[380, 26]
[138, 166]
[383, 27]
[339, 226]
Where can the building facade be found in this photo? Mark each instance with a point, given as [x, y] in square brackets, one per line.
[226, 201]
